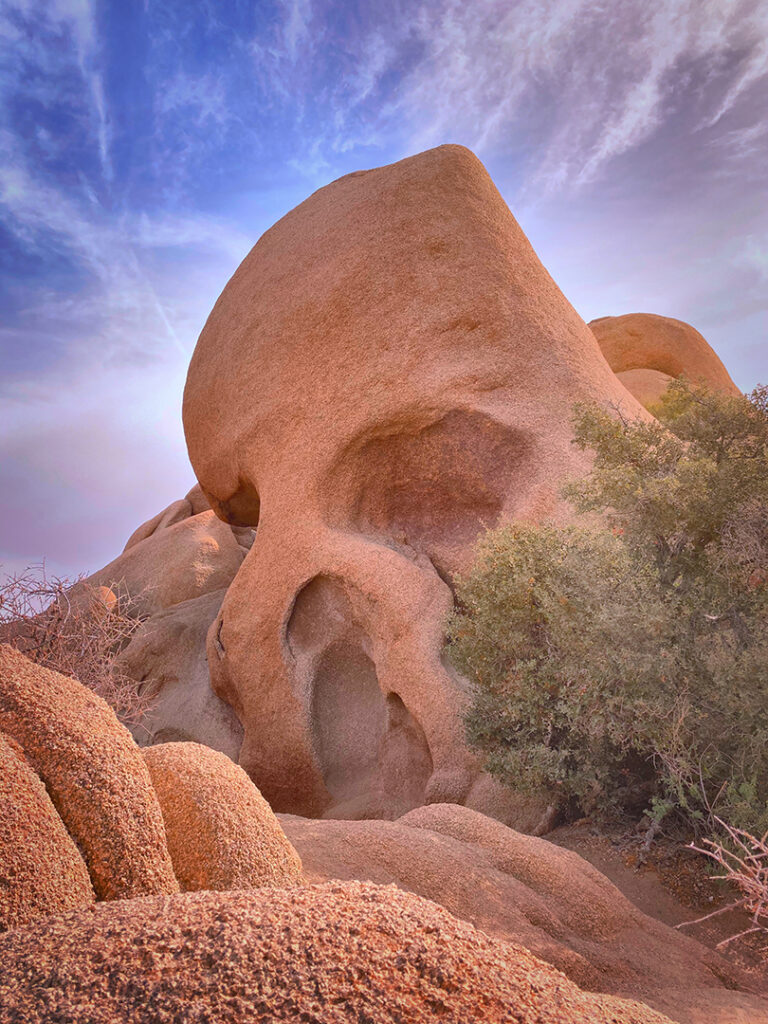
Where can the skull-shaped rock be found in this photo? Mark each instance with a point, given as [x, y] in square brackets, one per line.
[390, 371]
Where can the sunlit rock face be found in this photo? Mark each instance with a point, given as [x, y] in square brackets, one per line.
[390, 371]
[646, 352]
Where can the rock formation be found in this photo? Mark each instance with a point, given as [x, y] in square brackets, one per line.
[221, 831]
[186, 559]
[167, 658]
[327, 954]
[41, 869]
[646, 352]
[173, 574]
[79, 809]
[94, 774]
[525, 890]
[389, 371]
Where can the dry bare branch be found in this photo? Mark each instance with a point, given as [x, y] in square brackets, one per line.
[743, 859]
[74, 628]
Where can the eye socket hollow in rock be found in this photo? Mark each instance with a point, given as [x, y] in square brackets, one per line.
[372, 752]
[431, 486]
[349, 717]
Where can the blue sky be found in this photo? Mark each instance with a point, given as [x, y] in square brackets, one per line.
[144, 147]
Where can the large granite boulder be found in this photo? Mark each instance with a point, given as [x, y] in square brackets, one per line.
[526, 890]
[390, 371]
[326, 954]
[646, 352]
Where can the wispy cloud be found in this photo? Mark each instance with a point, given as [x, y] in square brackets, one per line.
[29, 27]
[142, 151]
[572, 84]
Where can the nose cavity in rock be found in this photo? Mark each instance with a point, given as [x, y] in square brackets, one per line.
[372, 753]
[240, 509]
[434, 486]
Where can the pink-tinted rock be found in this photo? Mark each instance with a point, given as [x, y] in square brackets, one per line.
[327, 954]
[221, 831]
[42, 871]
[94, 773]
[647, 351]
[526, 890]
[389, 371]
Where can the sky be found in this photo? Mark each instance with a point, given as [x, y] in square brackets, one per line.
[145, 146]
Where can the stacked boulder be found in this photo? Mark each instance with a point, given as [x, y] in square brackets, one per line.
[80, 818]
[646, 352]
[172, 576]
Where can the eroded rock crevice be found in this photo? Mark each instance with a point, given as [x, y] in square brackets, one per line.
[372, 752]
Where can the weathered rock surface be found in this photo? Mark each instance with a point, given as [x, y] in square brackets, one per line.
[167, 657]
[328, 954]
[173, 574]
[389, 371]
[526, 890]
[187, 558]
[94, 773]
[221, 832]
[41, 869]
[190, 505]
[646, 351]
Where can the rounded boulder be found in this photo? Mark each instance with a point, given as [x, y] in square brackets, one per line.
[221, 831]
[647, 351]
[41, 869]
[329, 953]
[94, 773]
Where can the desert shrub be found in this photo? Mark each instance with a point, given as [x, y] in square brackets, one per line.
[627, 664]
[74, 628]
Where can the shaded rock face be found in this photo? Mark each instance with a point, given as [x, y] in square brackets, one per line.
[186, 559]
[328, 954]
[173, 574]
[646, 352]
[167, 658]
[390, 371]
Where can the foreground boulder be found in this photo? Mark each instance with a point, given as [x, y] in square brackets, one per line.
[221, 831]
[94, 773]
[328, 954]
[390, 371]
[41, 869]
[646, 352]
[79, 812]
[526, 890]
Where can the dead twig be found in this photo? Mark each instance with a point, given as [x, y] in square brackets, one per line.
[744, 862]
[76, 629]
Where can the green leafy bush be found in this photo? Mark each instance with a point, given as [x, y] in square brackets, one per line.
[625, 666]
